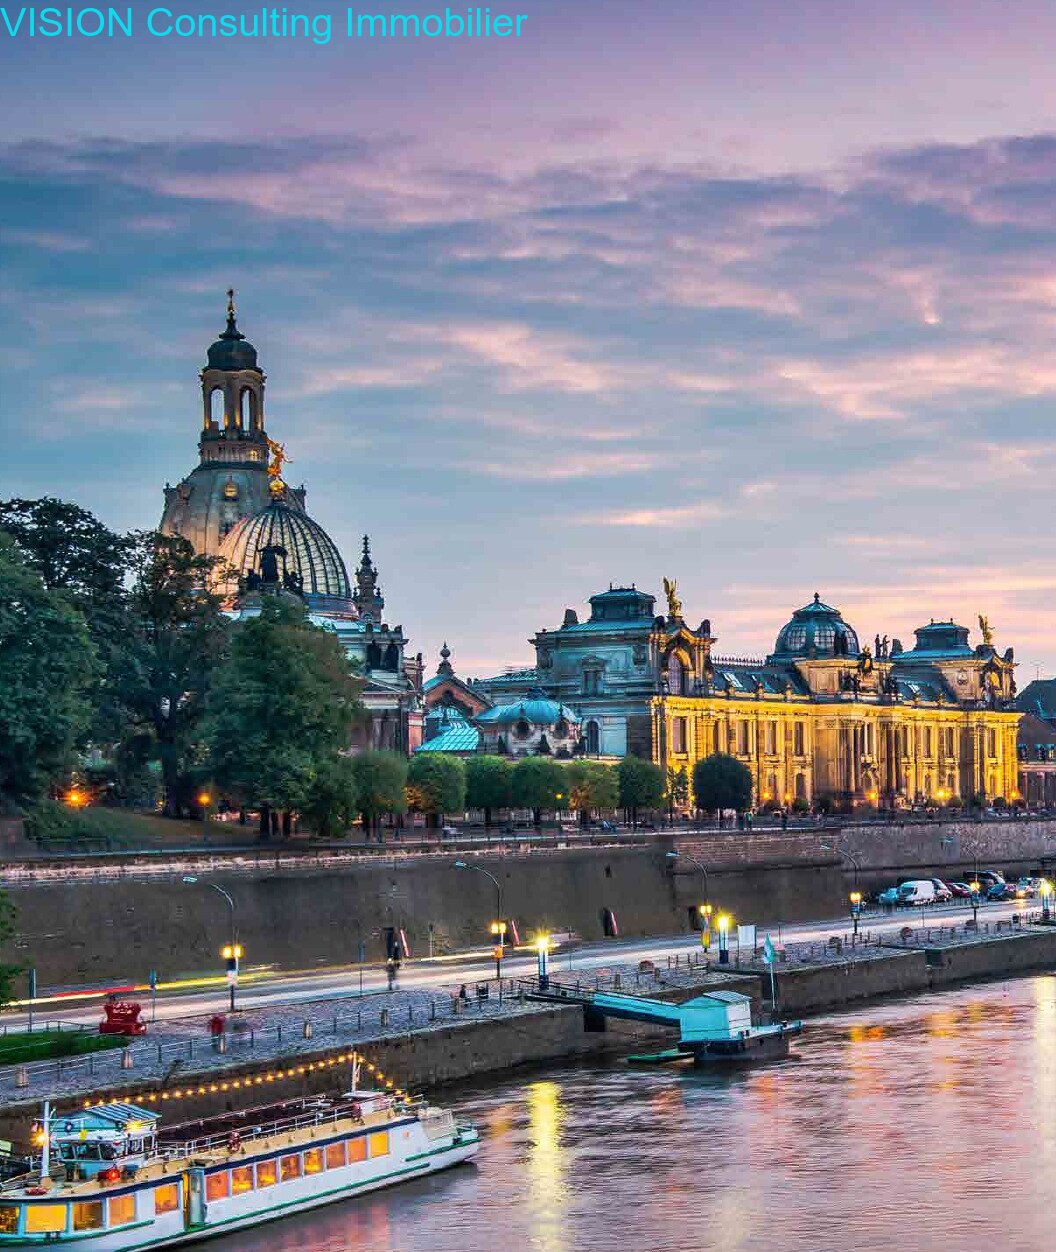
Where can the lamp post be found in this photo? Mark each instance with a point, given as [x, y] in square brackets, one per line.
[204, 800]
[1046, 896]
[703, 909]
[847, 856]
[705, 926]
[231, 952]
[724, 938]
[856, 909]
[973, 887]
[542, 954]
[498, 927]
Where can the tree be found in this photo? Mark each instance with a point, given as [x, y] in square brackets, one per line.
[489, 784]
[641, 786]
[176, 636]
[676, 790]
[589, 786]
[282, 706]
[382, 781]
[722, 782]
[436, 784]
[47, 666]
[536, 783]
[333, 798]
[8, 929]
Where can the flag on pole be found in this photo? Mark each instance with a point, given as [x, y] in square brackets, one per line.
[769, 951]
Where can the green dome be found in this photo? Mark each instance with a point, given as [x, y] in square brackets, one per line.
[816, 630]
[232, 351]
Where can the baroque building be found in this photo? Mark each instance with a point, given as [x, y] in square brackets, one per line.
[822, 717]
[235, 504]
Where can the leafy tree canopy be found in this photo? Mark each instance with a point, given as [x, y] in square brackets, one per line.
[536, 783]
[47, 664]
[722, 782]
[281, 704]
[382, 780]
[489, 784]
[591, 785]
[333, 798]
[437, 783]
[641, 784]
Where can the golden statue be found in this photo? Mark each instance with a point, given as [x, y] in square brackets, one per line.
[987, 630]
[278, 458]
[674, 604]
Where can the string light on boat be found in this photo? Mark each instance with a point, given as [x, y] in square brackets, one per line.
[237, 1084]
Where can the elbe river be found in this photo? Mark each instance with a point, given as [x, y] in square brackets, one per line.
[919, 1125]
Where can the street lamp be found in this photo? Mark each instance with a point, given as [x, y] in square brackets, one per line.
[704, 909]
[542, 954]
[1046, 896]
[724, 938]
[498, 927]
[847, 856]
[204, 800]
[856, 908]
[705, 926]
[974, 888]
[231, 952]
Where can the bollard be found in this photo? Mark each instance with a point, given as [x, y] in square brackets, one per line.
[384, 1018]
[617, 982]
[126, 1058]
[21, 1076]
[410, 1014]
[307, 1031]
[221, 1043]
[335, 1023]
[457, 1005]
[432, 1010]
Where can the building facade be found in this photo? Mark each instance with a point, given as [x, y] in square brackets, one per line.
[821, 718]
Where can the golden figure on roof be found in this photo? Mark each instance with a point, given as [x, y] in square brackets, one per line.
[278, 458]
[987, 630]
[674, 604]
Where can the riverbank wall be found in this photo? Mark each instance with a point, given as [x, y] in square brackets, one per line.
[95, 923]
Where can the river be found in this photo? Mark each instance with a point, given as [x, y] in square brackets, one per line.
[925, 1124]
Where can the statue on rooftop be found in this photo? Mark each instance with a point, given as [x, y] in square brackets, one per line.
[674, 604]
[278, 458]
[986, 630]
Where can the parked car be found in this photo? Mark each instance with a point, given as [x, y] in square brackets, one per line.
[943, 894]
[961, 890]
[1026, 888]
[918, 891]
[890, 898]
[1000, 891]
[987, 877]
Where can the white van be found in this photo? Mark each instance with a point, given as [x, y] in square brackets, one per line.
[918, 891]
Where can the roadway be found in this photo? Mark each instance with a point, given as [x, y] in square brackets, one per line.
[264, 987]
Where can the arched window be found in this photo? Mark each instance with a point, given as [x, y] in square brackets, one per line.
[392, 658]
[593, 739]
[373, 656]
[245, 409]
[216, 406]
[676, 675]
[801, 786]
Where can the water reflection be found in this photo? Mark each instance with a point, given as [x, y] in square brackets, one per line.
[926, 1126]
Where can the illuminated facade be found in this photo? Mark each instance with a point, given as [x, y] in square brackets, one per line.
[821, 717]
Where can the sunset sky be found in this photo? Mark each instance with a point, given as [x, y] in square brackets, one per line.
[760, 295]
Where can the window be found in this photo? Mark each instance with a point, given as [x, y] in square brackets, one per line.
[45, 1219]
[798, 737]
[289, 1167]
[591, 682]
[927, 741]
[216, 406]
[88, 1215]
[267, 1174]
[742, 738]
[676, 675]
[771, 738]
[357, 1149]
[991, 743]
[313, 1161]
[9, 1218]
[167, 1198]
[335, 1155]
[379, 1143]
[121, 1209]
[593, 739]
[678, 734]
[241, 1179]
[216, 1185]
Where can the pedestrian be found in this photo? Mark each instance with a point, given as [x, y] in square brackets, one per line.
[463, 994]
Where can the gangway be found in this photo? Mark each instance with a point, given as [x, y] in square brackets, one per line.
[713, 1027]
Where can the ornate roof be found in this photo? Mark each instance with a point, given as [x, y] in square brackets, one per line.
[308, 552]
[537, 709]
[816, 629]
[232, 351]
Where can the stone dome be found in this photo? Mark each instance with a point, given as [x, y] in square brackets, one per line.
[310, 552]
[816, 630]
[232, 351]
[537, 709]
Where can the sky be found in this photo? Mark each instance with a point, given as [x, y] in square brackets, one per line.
[760, 296]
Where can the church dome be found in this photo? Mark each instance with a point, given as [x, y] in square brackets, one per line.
[816, 630]
[232, 351]
[309, 553]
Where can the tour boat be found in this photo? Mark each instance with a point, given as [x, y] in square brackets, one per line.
[116, 1186]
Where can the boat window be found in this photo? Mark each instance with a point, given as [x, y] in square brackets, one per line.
[45, 1219]
[266, 1174]
[120, 1210]
[167, 1198]
[289, 1167]
[357, 1149]
[9, 1218]
[313, 1161]
[216, 1185]
[335, 1155]
[379, 1143]
[88, 1215]
[241, 1179]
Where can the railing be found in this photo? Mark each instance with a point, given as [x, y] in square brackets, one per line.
[331, 1115]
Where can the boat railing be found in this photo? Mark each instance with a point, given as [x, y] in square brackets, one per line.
[302, 1121]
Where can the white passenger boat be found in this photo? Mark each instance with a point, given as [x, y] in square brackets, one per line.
[107, 1184]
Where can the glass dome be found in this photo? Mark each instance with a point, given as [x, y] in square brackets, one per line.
[309, 552]
[816, 630]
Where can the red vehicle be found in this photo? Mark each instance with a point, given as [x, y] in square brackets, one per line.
[122, 1018]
